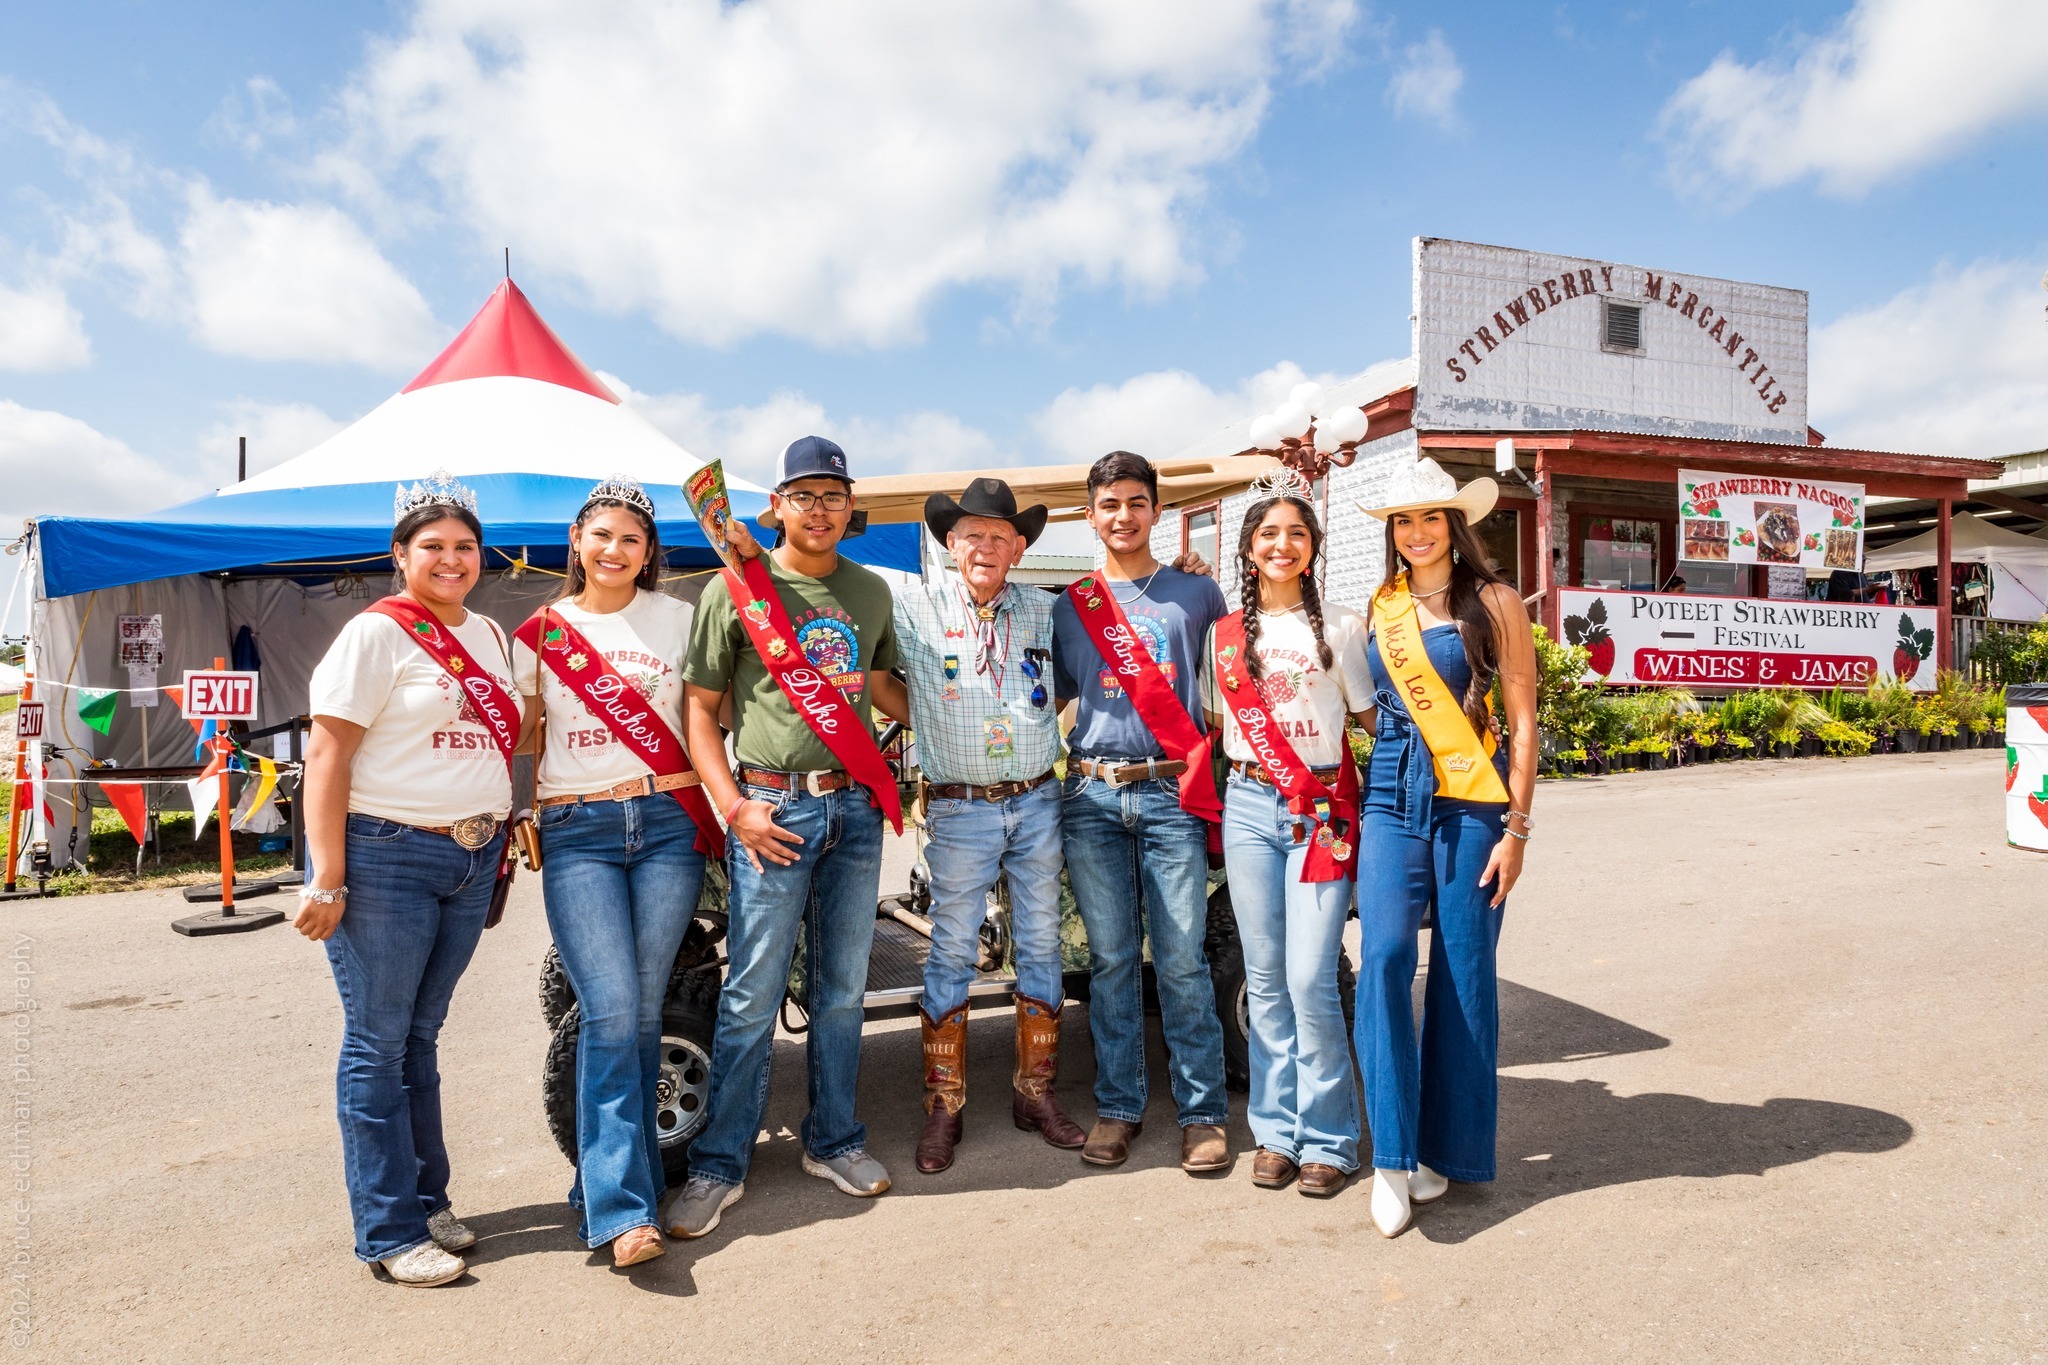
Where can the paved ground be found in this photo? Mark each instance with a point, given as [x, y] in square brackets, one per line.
[1772, 1089]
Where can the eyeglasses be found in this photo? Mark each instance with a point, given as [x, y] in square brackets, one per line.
[1034, 671]
[803, 500]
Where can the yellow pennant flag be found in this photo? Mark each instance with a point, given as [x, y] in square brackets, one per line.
[264, 792]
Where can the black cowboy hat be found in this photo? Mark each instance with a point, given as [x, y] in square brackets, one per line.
[983, 498]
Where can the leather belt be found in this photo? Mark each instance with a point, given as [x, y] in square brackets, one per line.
[995, 791]
[472, 831]
[626, 791]
[814, 783]
[1122, 772]
[1257, 772]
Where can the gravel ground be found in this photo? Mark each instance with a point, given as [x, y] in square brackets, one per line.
[1771, 1089]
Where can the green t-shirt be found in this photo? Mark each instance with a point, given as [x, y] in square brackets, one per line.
[845, 626]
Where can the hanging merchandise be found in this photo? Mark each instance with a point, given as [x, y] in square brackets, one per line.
[256, 812]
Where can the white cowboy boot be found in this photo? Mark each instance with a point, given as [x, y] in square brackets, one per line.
[1425, 1185]
[1390, 1207]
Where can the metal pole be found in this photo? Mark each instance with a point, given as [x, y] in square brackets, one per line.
[241, 458]
[1546, 576]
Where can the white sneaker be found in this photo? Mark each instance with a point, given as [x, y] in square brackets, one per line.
[1390, 1207]
[448, 1234]
[854, 1172]
[1425, 1185]
[425, 1266]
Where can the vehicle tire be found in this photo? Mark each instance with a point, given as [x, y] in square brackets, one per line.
[687, 1021]
[1226, 973]
[557, 996]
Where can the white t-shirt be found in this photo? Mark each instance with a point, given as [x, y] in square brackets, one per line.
[426, 757]
[645, 643]
[1307, 702]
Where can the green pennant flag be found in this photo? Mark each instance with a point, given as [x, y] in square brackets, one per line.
[96, 707]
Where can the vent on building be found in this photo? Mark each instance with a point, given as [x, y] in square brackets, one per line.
[1621, 327]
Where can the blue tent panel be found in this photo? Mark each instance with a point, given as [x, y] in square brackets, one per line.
[348, 527]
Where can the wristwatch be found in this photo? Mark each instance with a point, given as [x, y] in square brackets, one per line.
[308, 893]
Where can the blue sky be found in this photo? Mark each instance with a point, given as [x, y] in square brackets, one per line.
[963, 235]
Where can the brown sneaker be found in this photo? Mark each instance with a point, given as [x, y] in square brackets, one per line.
[1271, 1171]
[635, 1245]
[1109, 1142]
[1319, 1181]
[1203, 1148]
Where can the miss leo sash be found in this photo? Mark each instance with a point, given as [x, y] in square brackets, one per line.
[1332, 854]
[1158, 705]
[607, 695]
[823, 706]
[1463, 760]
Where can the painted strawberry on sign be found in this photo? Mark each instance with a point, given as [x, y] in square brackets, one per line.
[1911, 649]
[1591, 632]
[2012, 765]
[2037, 802]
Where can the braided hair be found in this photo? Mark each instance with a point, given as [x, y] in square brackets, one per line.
[1248, 579]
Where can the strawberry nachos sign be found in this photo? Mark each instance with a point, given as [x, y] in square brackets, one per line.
[1646, 639]
[1756, 519]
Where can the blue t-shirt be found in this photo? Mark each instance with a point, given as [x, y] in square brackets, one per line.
[1172, 612]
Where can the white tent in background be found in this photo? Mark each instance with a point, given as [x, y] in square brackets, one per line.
[2019, 564]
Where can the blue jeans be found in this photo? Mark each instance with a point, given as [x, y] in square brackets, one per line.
[1140, 869]
[621, 881]
[972, 843]
[416, 908]
[831, 889]
[1303, 1102]
[1438, 1104]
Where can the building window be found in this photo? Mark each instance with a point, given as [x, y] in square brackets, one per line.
[1620, 552]
[1621, 327]
[1501, 534]
[1713, 580]
[1201, 530]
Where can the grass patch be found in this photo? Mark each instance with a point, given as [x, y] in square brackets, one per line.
[110, 858]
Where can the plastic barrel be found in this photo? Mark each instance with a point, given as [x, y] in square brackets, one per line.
[2026, 766]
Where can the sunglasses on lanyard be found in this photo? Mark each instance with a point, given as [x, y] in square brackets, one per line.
[1035, 671]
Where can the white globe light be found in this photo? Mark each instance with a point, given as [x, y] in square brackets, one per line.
[1307, 393]
[1342, 427]
[1265, 435]
[1291, 420]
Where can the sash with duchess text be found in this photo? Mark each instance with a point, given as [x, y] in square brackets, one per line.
[607, 695]
[823, 706]
[1333, 853]
[1158, 705]
[493, 705]
[1464, 761]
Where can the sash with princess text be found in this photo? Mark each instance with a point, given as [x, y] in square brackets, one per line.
[1464, 761]
[493, 705]
[824, 707]
[1333, 851]
[607, 695]
[1158, 705]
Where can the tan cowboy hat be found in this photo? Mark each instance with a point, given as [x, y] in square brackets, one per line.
[1426, 484]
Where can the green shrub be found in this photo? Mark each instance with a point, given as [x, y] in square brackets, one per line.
[2014, 656]
[1564, 705]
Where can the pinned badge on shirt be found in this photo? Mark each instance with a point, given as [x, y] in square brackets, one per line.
[757, 611]
[777, 646]
[952, 667]
[950, 692]
[1326, 836]
[998, 737]
[1341, 851]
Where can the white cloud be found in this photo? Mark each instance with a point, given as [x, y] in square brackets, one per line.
[1427, 82]
[52, 464]
[826, 168]
[277, 432]
[40, 330]
[1897, 84]
[297, 282]
[1955, 366]
[1157, 414]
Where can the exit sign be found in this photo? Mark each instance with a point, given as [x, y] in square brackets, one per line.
[28, 720]
[220, 695]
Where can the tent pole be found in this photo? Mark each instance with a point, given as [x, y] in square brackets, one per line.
[14, 806]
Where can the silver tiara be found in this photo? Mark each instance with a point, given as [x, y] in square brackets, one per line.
[621, 488]
[1284, 482]
[438, 489]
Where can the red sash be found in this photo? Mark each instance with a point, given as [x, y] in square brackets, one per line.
[1333, 852]
[1158, 705]
[493, 704]
[609, 697]
[823, 706]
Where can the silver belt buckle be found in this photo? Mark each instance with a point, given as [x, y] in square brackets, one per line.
[811, 787]
[1111, 777]
[474, 831]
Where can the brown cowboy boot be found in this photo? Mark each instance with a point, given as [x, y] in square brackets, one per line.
[1038, 1062]
[945, 1088]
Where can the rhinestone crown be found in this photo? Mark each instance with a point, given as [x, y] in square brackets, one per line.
[622, 488]
[439, 488]
[1284, 482]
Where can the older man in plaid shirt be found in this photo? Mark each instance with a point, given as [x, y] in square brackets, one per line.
[978, 652]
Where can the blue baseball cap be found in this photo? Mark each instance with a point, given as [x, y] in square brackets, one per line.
[811, 457]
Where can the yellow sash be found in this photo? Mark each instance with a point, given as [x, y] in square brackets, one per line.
[1463, 758]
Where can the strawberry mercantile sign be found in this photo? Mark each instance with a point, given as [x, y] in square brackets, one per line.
[1687, 640]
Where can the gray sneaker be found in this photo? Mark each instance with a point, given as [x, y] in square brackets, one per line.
[696, 1210]
[448, 1234]
[855, 1172]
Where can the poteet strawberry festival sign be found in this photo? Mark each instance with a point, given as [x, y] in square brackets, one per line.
[1682, 640]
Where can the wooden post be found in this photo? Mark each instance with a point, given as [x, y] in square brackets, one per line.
[1943, 625]
[1546, 577]
[14, 802]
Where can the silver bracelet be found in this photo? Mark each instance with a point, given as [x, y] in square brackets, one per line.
[1528, 820]
[318, 897]
[1512, 835]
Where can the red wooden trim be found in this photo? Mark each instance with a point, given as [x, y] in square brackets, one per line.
[1526, 527]
[1942, 588]
[1818, 462]
[1187, 513]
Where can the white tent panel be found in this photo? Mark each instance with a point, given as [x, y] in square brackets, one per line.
[1972, 540]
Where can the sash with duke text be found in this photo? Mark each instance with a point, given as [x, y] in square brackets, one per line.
[1333, 851]
[1158, 705]
[1464, 761]
[607, 695]
[824, 707]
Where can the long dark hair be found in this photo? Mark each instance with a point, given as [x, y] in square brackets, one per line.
[418, 520]
[650, 572]
[1470, 572]
[1248, 578]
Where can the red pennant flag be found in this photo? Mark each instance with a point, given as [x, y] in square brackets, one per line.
[133, 803]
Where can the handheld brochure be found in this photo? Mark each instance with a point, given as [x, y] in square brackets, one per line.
[705, 492]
